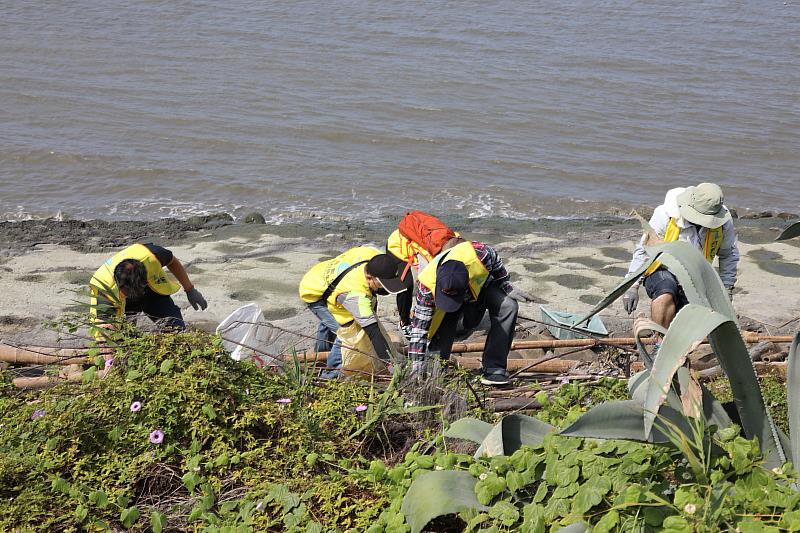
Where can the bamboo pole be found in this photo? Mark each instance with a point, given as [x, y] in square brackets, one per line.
[554, 366]
[38, 355]
[42, 382]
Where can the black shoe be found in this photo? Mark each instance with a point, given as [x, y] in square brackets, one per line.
[496, 378]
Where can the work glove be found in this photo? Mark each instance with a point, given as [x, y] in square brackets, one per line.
[730, 292]
[196, 299]
[631, 299]
[520, 295]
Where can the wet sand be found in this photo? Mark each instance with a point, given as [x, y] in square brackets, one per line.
[567, 264]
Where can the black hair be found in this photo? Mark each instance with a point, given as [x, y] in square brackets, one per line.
[131, 278]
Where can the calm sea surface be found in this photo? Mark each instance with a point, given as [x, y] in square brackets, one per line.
[365, 108]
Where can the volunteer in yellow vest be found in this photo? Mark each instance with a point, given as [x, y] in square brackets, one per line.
[344, 289]
[466, 279]
[133, 281]
[696, 215]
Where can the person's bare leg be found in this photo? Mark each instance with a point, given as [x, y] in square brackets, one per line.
[662, 310]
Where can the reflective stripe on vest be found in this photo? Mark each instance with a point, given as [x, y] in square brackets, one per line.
[103, 279]
[711, 245]
[478, 274]
[316, 280]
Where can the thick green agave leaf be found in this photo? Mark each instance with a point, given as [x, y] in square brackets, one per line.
[439, 493]
[691, 325]
[616, 292]
[623, 419]
[792, 398]
[470, 429]
[700, 281]
[731, 351]
[789, 232]
[511, 433]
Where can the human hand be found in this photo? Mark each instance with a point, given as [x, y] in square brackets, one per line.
[730, 293]
[631, 299]
[196, 299]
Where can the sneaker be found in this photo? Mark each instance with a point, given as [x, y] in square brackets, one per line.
[496, 378]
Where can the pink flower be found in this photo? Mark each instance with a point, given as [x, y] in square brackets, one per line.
[157, 436]
[284, 401]
[136, 407]
[109, 363]
[39, 413]
[360, 409]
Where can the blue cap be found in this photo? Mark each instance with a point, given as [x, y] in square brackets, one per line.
[452, 282]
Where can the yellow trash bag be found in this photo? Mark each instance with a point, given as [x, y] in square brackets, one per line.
[357, 352]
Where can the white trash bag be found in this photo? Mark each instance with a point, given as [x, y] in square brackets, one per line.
[242, 331]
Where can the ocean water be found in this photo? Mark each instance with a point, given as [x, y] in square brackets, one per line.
[367, 108]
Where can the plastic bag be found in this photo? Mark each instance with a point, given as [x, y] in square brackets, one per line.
[358, 355]
[243, 331]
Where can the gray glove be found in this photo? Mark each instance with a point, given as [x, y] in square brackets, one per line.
[520, 295]
[196, 299]
[730, 292]
[631, 299]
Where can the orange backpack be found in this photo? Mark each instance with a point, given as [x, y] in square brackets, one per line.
[425, 230]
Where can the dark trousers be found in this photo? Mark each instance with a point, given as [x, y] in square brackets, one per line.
[405, 298]
[159, 308]
[502, 317]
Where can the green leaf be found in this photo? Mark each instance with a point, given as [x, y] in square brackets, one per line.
[511, 433]
[89, 374]
[577, 527]
[623, 419]
[129, 516]
[438, 493]
[590, 494]
[81, 512]
[515, 481]
[115, 434]
[166, 365]
[506, 512]
[158, 521]
[209, 411]
[675, 524]
[490, 486]
[607, 523]
[99, 498]
[133, 375]
[793, 398]
[60, 485]
[470, 429]
[123, 500]
[190, 481]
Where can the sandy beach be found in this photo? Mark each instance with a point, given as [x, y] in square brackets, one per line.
[567, 264]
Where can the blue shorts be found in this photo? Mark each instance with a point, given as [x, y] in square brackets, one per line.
[662, 281]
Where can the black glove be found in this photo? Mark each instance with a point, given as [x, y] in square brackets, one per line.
[196, 299]
[520, 295]
[730, 292]
[631, 299]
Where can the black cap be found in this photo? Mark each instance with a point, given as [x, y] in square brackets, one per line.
[384, 268]
[452, 282]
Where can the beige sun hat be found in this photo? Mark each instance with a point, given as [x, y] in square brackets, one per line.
[702, 205]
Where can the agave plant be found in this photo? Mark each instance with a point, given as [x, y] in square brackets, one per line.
[789, 232]
[665, 397]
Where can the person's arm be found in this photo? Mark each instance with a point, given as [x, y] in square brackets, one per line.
[177, 269]
[728, 256]
[494, 265]
[421, 323]
[658, 222]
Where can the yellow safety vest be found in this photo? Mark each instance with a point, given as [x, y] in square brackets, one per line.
[710, 247]
[316, 280]
[477, 272]
[103, 279]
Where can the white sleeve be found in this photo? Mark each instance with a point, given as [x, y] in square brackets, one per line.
[658, 222]
[728, 255]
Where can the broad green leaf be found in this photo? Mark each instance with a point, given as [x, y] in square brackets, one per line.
[89, 374]
[607, 523]
[793, 397]
[209, 411]
[489, 487]
[506, 512]
[511, 433]
[590, 494]
[692, 324]
[166, 365]
[470, 429]
[789, 232]
[99, 498]
[675, 524]
[438, 493]
[81, 512]
[158, 521]
[129, 516]
[622, 419]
